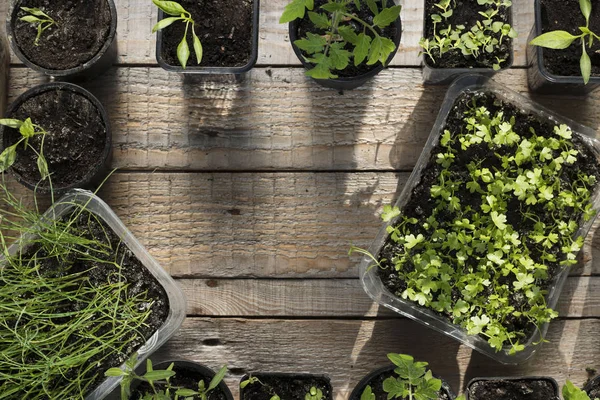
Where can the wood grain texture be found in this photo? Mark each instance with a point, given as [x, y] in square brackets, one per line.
[347, 350]
[334, 298]
[136, 44]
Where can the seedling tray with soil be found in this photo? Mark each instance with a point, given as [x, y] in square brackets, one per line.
[558, 71]
[460, 50]
[227, 30]
[79, 42]
[480, 243]
[263, 386]
[592, 388]
[526, 388]
[80, 295]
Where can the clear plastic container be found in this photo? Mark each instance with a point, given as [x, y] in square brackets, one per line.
[177, 307]
[540, 79]
[523, 378]
[369, 276]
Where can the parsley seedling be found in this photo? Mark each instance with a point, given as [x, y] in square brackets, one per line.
[345, 36]
[178, 13]
[560, 40]
[38, 19]
[571, 392]
[28, 130]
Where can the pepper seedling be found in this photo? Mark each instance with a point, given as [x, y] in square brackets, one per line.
[38, 19]
[28, 130]
[253, 379]
[178, 13]
[560, 40]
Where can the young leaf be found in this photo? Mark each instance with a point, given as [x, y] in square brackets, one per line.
[348, 34]
[340, 58]
[554, 40]
[373, 6]
[586, 9]
[387, 16]
[35, 11]
[381, 48]
[367, 394]
[571, 392]
[163, 23]
[185, 392]
[319, 20]
[322, 69]
[183, 52]
[158, 375]
[7, 158]
[169, 7]
[313, 44]
[586, 66]
[197, 47]
[31, 19]
[42, 167]
[11, 123]
[217, 378]
[295, 10]
[27, 129]
[361, 50]
[115, 372]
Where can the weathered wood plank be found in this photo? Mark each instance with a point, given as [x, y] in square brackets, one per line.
[275, 119]
[136, 43]
[347, 350]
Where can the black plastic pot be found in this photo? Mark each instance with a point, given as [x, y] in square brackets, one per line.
[191, 69]
[98, 172]
[102, 61]
[4, 59]
[540, 79]
[444, 76]
[265, 377]
[593, 385]
[350, 82]
[525, 378]
[360, 386]
[190, 369]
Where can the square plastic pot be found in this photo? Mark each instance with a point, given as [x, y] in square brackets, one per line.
[4, 58]
[262, 376]
[543, 81]
[195, 69]
[177, 307]
[445, 76]
[371, 281]
[523, 378]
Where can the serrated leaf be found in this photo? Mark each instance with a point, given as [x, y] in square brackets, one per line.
[7, 157]
[373, 6]
[197, 47]
[158, 375]
[333, 7]
[11, 123]
[319, 20]
[554, 40]
[340, 57]
[586, 66]
[312, 44]
[322, 69]
[183, 52]
[348, 34]
[357, 4]
[217, 378]
[169, 7]
[361, 50]
[586, 9]
[163, 23]
[387, 16]
[295, 10]
[380, 50]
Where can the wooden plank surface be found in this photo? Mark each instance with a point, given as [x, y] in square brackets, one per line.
[348, 349]
[136, 43]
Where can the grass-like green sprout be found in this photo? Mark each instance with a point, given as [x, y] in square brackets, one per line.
[27, 129]
[559, 40]
[159, 381]
[346, 35]
[253, 379]
[178, 13]
[572, 392]
[38, 19]
[413, 381]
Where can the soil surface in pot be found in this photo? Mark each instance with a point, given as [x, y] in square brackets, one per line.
[421, 206]
[75, 141]
[81, 30]
[594, 390]
[224, 28]
[466, 12]
[305, 26]
[377, 387]
[566, 15]
[286, 387]
[512, 390]
[97, 263]
[184, 378]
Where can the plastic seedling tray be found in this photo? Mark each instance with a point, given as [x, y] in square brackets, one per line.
[370, 278]
[548, 380]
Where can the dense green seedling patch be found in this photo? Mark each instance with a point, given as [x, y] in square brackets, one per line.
[481, 242]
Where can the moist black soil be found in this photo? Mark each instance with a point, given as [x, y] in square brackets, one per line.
[466, 13]
[224, 28]
[75, 141]
[138, 276]
[81, 30]
[420, 204]
[594, 389]
[512, 390]
[377, 387]
[286, 387]
[184, 378]
[305, 26]
[566, 15]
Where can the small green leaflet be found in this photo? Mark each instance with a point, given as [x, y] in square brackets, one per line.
[381, 48]
[571, 392]
[186, 392]
[361, 50]
[197, 47]
[163, 23]
[373, 6]
[27, 129]
[11, 123]
[348, 34]
[387, 16]
[322, 67]
[319, 20]
[313, 44]
[35, 11]
[339, 57]
[7, 158]
[367, 394]
[554, 40]
[169, 7]
[158, 375]
[183, 52]
[217, 378]
[586, 66]
[42, 167]
[586, 9]
[295, 10]
[115, 372]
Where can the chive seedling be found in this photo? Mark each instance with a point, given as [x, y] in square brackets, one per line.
[27, 129]
[39, 20]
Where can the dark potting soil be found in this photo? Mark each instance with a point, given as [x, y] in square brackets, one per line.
[566, 15]
[377, 387]
[75, 141]
[305, 25]
[594, 390]
[81, 30]
[286, 387]
[466, 12]
[224, 28]
[420, 204]
[184, 378]
[512, 390]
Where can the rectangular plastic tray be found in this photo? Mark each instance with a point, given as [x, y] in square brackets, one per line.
[369, 276]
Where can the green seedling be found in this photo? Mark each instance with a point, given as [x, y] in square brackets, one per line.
[571, 392]
[159, 381]
[38, 19]
[314, 394]
[559, 40]
[252, 380]
[178, 13]
[346, 37]
[28, 130]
